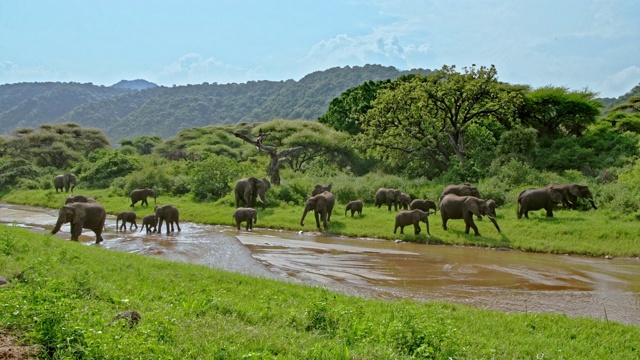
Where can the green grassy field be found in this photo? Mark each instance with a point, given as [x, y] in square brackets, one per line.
[64, 296]
[592, 233]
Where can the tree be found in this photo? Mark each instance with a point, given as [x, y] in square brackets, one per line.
[556, 111]
[631, 105]
[277, 158]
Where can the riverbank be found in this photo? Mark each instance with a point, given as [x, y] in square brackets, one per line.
[190, 311]
[591, 233]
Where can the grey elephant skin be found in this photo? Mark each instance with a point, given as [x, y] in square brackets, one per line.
[571, 193]
[536, 199]
[411, 217]
[149, 223]
[168, 214]
[126, 217]
[79, 198]
[142, 195]
[354, 206]
[320, 189]
[65, 182]
[388, 197]
[245, 214]
[248, 190]
[82, 216]
[461, 190]
[322, 206]
[464, 207]
[423, 204]
[404, 200]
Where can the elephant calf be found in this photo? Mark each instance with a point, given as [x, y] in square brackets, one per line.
[355, 206]
[149, 222]
[246, 214]
[423, 204]
[408, 217]
[126, 217]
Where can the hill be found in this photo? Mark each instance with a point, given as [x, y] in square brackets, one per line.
[133, 108]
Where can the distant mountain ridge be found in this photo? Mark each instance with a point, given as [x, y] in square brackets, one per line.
[133, 108]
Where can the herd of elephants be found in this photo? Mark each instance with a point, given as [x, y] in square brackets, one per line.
[455, 202]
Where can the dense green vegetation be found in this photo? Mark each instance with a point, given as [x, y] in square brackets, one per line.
[64, 297]
[122, 112]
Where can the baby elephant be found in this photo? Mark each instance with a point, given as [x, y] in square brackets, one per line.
[149, 222]
[249, 215]
[355, 206]
[126, 217]
[408, 217]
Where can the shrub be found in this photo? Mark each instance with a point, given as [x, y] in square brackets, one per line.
[211, 179]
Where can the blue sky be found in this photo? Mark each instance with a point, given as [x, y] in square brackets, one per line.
[573, 43]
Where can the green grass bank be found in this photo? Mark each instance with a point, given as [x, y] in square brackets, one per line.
[591, 233]
[64, 296]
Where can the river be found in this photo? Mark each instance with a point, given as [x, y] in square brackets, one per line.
[510, 281]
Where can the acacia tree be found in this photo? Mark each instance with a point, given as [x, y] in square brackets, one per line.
[428, 117]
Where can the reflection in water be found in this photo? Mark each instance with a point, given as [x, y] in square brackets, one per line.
[504, 280]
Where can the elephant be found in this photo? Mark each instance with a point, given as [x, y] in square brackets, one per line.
[322, 206]
[320, 189]
[90, 216]
[79, 198]
[249, 215]
[423, 204]
[66, 182]
[464, 207]
[387, 196]
[461, 190]
[404, 200]
[355, 206]
[247, 189]
[536, 199]
[142, 194]
[126, 217]
[148, 222]
[408, 217]
[571, 193]
[168, 213]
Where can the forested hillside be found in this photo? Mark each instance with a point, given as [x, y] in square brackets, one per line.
[122, 112]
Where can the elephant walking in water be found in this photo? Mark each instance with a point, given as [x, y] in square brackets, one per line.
[169, 214]
[82, 216]
[65, 182]
[248, 215]
[149, 222]
[464, 207]
[126, 217]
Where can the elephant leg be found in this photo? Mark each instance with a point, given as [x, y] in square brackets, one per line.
[416, 228]
[178, 225]
[76, 231]
[550, 211]
[468, 219]
[444, 222]
[396, 228]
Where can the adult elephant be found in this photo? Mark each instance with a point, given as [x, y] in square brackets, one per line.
[355, 206]
[248, 189]
[245, 214]
[320, 189]
[79, 198]
[408, 217]
[82, 216]
[461, 190]
[387, 196]
[168, 214]
[464, 207]
[423, 204]
[65, 182]
[572, 192]
[404, 200]
[142, 195]
[536, 199]
[322, 206]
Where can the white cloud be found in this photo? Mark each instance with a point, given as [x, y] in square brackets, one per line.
[621, 82]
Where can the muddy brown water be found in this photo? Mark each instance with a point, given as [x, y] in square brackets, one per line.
[510, 281]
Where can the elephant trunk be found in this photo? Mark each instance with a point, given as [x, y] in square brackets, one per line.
[495, 223]
[58, 225]
[304, 214]
[345, 211]
[593, 203]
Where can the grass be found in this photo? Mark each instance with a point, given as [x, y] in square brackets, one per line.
[591, 233]
[64, 296]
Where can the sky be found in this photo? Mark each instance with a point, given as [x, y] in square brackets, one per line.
[577, 44]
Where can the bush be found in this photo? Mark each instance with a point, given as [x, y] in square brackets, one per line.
[211, 179]
[109, 167]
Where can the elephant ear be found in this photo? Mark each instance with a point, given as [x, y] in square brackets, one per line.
[576, 190]
[555, 196]
[473, 206]
[267, 184]
[79, 213]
